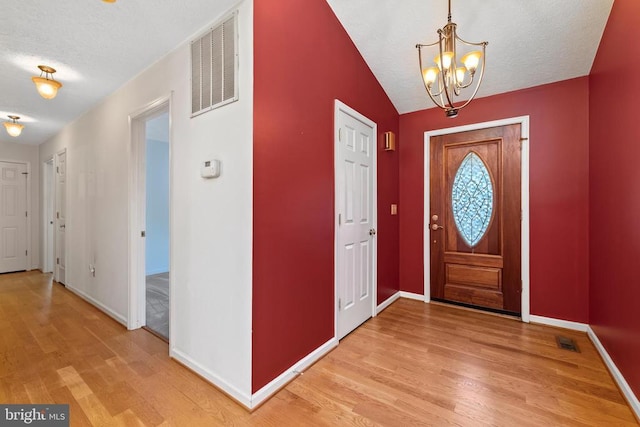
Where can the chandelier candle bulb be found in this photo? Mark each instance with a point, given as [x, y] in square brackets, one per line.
[430, 75]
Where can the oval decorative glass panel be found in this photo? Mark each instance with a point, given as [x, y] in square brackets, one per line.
[472, 199]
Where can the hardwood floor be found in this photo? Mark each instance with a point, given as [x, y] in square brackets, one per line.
[414, 365]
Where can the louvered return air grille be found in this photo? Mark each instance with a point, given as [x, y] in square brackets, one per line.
[214, 65]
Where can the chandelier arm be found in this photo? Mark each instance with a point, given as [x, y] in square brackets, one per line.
[449, 104]
[483, 44]
[475, 91]
[419, 46]
[468, 84]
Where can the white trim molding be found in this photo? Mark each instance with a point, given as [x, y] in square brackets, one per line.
[632, 399]
[411, 295]
[524, 122]
[393, 298]
[558, 323]
[106, 310]
[290, 374]
[240, 397]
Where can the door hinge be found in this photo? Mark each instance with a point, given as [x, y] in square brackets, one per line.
[339, 219]
[143, 233]
[26, 252]
[26, 214]
[57, 215]
[57, 169]
[339, 304]
[58, 261]
[339, 134]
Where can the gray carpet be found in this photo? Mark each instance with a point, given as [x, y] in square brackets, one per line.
[158, 304]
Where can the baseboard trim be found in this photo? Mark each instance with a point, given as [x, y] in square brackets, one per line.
[393, 298]
[633, 401]
[116, 316]
[235, 394]
[558, 323]
[290, 374]
[411, 295]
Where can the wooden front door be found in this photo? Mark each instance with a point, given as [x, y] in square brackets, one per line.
[475, 218]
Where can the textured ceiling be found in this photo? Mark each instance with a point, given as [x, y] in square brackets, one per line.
[531, 42]
[96, 47]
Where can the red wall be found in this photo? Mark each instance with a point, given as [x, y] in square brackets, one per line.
[303, 61]
[559, 190]
[615, 190]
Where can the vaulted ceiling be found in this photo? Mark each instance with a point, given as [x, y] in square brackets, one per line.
[96, 46]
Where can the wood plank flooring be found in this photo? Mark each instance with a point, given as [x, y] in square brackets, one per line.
[414, 365]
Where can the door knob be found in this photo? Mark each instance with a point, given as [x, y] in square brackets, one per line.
[436, 227]
[372, 232]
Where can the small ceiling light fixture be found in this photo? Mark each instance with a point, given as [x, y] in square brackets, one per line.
[13, 128]
[47, 86]
[109, 1]
[447, 80]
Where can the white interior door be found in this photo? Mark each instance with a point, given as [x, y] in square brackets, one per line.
[13, 217]
[355, 204]
[61, 216]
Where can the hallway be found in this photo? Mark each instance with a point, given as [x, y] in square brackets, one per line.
[415, 364]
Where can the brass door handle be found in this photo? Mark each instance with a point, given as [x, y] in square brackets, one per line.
[436, 227]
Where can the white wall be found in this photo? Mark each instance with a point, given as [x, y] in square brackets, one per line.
[211, 219]
[16, 151]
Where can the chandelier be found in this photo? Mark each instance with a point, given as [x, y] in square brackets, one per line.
[447, 81]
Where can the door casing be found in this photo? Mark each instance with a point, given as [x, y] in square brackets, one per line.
[340, 107]
[524, 122]
[48, 214]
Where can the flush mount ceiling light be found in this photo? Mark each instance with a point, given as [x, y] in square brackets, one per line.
[47, 86]
[447, 81]
[13, 128]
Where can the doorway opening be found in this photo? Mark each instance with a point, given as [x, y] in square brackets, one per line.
[150, 276]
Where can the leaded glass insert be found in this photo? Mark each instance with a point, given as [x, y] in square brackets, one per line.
[472, 199]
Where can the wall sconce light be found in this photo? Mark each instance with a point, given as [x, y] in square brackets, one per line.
[389, 141]
[13, 128]
[47, 86]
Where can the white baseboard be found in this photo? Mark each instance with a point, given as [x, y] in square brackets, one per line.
[275, 385]
[387, 302]
[411, 295]
[117, 316]
[558, 323]
[242, 398]
[615, 373]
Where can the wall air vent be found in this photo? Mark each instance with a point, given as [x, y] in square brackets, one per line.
[214, 67]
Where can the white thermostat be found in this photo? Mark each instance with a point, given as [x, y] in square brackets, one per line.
[210, 169]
